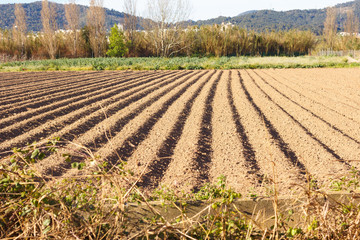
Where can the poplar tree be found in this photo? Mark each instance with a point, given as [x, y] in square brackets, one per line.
[19, 29]
[96, 25]
[330, 27]
[72, 18]
[48, 15]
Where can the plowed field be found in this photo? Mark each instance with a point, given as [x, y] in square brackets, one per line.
[185, 128]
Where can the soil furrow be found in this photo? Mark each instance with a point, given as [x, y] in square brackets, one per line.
[21, 98]
[54, 80]
[335, 88]
[324, 103]
[288, 152]
[203, 154]
[30, 105]
[270, 151]
[71, 99]
[115, 127]
[248, 151]
[131, 143]
[89, 116]
[46, 85]
[184, 129]
[91, 81]
[233, 155]
[104, 135]
[319, 162]
[328, 98]
[180, 174]
[338, 144]
[309, 111]
[34, 77]
[307, 131]
[163, 150]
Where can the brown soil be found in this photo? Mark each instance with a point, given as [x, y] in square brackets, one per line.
[185, 128]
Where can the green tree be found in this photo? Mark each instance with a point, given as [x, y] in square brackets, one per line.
[117, 46]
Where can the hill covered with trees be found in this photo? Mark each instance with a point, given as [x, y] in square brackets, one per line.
[267, 20]
[258, 21]
[33, 16]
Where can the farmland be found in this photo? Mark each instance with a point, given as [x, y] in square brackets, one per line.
[185, 128]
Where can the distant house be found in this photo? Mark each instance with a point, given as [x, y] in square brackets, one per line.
[227, 25]
[345, 34]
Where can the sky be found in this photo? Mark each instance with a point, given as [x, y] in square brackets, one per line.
[206, 9]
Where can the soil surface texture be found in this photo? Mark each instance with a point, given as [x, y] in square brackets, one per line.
[182, 129]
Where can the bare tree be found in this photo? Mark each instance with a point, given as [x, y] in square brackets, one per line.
[166, 21]
[352, 23]
[19, 29]
[48, 15]
[72, 17]
[330, 26]
[97, 30]
[130, 20]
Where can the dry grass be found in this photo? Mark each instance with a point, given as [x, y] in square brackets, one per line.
[104, 202]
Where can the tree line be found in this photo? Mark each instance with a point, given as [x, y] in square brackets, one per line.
[164, 33]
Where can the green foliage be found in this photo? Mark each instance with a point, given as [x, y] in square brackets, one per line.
[217, 191]
[347, 183]
[117, 45]
[189, 63]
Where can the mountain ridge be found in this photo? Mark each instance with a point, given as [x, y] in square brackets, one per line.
[257, 20]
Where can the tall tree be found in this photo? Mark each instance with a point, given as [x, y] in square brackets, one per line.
[19, 29]
[330, 26]
[352, 22]
[130, 23]
[48, 15]
[97, 30]
[166, 21]
[72, 17]
[131, 20]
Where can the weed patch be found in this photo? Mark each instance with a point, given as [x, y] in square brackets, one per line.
[102, 201]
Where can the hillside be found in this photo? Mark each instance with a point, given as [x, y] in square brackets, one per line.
[33, 16]
[261, 20]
